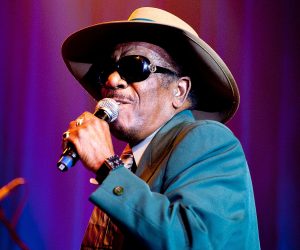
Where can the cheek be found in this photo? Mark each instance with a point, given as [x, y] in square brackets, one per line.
[134, 116]
[130, 115]
[158, 99]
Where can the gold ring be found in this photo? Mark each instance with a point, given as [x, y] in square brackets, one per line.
[79, 122]
[66, 135]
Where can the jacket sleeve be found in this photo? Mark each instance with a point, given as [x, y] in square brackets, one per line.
[206, 200]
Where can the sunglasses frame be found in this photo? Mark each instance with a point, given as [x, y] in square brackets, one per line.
[145, 67]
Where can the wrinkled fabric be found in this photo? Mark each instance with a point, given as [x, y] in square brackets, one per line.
[192, 191]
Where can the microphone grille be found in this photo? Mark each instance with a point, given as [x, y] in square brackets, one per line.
[110, 107]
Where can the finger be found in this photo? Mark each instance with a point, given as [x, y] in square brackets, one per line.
[65, 139]
[79, 121]
[66, 134]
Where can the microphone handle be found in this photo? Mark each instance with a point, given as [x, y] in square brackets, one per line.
[70, 156]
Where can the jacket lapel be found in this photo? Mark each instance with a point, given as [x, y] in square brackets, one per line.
[156, 154]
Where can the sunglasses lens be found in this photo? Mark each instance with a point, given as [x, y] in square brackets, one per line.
[133, 68]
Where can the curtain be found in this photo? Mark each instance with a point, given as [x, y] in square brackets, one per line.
[259, 41]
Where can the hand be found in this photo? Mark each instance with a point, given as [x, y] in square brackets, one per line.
[92, 140]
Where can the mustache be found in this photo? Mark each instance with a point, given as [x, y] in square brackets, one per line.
[118, 96]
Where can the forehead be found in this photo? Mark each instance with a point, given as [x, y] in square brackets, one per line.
[149, 50]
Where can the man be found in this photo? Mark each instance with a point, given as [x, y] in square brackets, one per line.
[192, 187]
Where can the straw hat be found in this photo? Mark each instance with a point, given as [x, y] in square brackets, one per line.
[212, 83]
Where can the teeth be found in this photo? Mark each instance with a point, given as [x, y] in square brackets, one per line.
[118, 103]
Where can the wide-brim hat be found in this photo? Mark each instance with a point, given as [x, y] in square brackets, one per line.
[213, 85]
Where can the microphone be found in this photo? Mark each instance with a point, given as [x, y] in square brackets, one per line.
[107, 109]
[4, 191]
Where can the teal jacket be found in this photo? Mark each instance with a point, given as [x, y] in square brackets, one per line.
[192, 190]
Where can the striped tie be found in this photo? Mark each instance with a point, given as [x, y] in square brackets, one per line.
[101, 233]
[128, 159]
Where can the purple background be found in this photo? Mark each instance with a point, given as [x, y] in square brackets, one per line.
[258, 39]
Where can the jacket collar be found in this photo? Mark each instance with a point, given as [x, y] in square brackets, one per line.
[156, 153]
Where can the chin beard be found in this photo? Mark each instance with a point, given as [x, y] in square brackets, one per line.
[127, 135]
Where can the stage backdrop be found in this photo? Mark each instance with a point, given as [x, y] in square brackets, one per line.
[258, 39]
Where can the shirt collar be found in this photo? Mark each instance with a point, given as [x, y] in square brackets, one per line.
[139, 149]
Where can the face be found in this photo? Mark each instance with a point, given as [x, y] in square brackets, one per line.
[146, 105]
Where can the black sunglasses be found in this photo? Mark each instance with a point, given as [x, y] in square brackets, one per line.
[133, 68]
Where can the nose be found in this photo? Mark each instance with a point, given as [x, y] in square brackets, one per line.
[115, 81]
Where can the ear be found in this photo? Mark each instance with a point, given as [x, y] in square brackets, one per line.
[180, 91]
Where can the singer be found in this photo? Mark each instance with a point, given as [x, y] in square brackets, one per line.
[181, 182]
